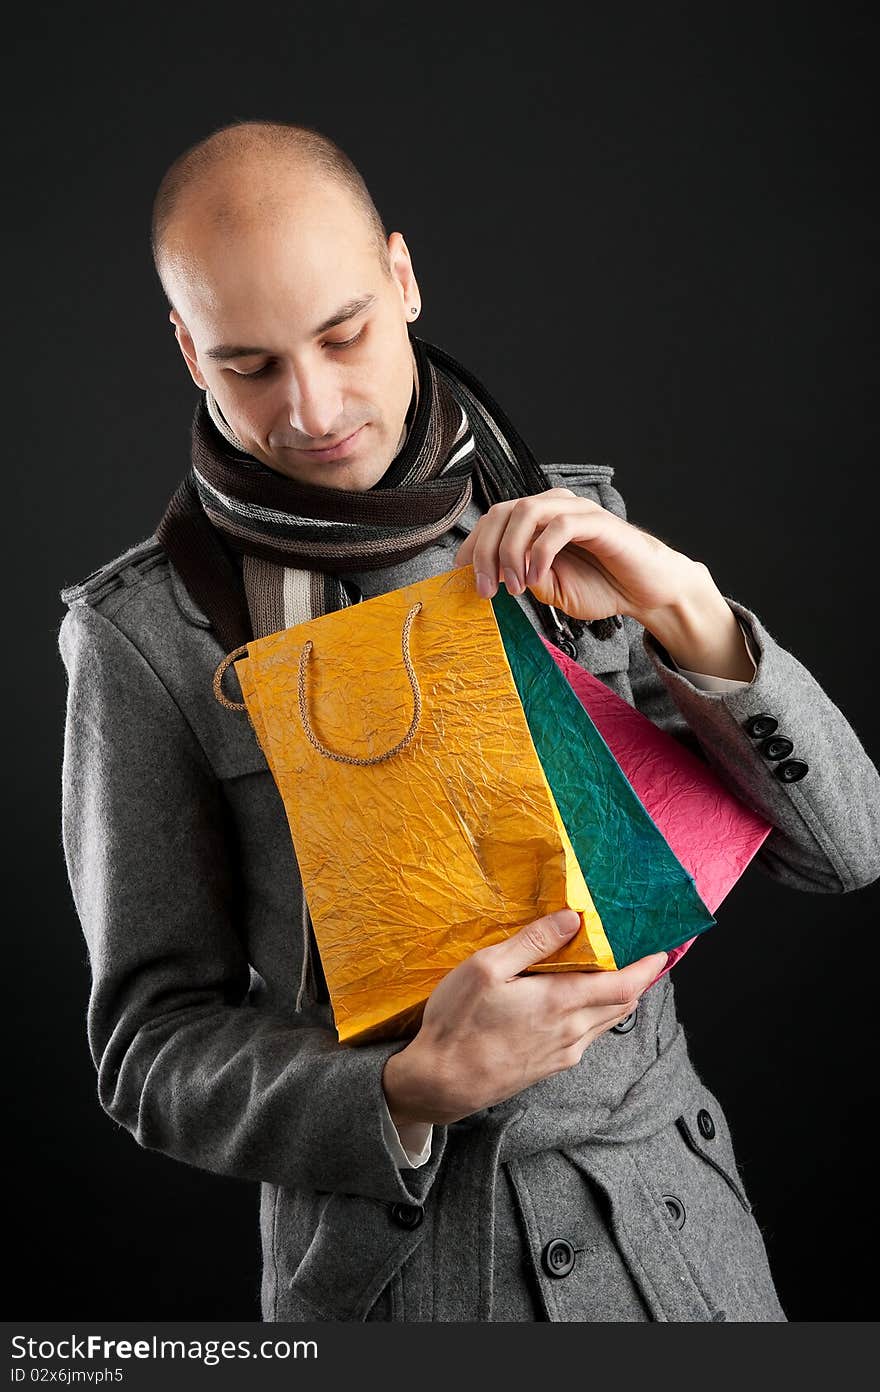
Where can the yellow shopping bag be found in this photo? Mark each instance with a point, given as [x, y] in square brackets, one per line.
[423, 823]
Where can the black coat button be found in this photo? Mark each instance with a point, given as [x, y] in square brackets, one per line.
[758, 726]
[557, 1257]
[625, 1025]
[705, 1124]
[407, 1215]
[675, 1208]
[776, 747]
[791, 770]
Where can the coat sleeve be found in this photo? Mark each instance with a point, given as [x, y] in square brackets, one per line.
[826, 825]
[184, 1061]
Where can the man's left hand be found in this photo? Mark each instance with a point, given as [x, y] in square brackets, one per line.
[588, 563]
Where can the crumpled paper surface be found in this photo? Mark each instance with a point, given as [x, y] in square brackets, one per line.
[647, 899]
[454, 843]
[712, 832]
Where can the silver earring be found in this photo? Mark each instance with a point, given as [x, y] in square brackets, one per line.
[414, 310]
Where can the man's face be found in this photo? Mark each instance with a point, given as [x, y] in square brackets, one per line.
[270, 288]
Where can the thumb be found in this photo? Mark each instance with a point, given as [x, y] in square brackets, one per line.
[535, 941]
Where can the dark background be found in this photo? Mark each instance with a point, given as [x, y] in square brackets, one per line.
[652, 232]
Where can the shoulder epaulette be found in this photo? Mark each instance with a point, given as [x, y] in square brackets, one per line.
[125, 569]
[585, 470]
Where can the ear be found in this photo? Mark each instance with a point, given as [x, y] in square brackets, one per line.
[402, 270]
[187, 348]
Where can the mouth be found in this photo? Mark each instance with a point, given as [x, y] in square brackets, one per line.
[337, 451]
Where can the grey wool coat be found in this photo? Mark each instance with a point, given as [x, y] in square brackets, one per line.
[607, 1192]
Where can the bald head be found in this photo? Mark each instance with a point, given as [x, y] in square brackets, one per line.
[289, 304]
[247, 176]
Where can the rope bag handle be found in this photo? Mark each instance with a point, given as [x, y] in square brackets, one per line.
[218, 679]
[417, 703]
[303, 710]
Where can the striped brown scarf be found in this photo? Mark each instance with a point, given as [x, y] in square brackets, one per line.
[259, 551]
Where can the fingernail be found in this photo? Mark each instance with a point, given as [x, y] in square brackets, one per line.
[570, 921]
[485, 585]
[512, 581]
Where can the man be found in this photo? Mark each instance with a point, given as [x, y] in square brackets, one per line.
[542, 1148]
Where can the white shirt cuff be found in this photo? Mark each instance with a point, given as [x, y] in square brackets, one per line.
[411, 1159]
[709, 683]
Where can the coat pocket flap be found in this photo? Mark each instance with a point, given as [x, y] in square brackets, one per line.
[356, 1249]
[723, 1163]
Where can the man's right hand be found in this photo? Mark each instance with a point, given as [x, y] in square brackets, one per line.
[487, 1032]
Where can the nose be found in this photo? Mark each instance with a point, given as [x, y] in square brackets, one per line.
[314, 403]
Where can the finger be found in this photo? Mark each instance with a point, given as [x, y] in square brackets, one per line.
[508, 531]
[480, 548]
[613, 988]
[594, 1019]
[465, 552]
[600, 533]
[526, 522]
[532, 943]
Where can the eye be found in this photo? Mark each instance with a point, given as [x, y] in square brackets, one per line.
[260, 372]
[335, 346]
[346, 342]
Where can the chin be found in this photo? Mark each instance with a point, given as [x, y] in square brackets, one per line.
[353, 476]
[353, 479]
[350, 475]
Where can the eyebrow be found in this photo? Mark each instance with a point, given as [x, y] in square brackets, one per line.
[347, 311]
